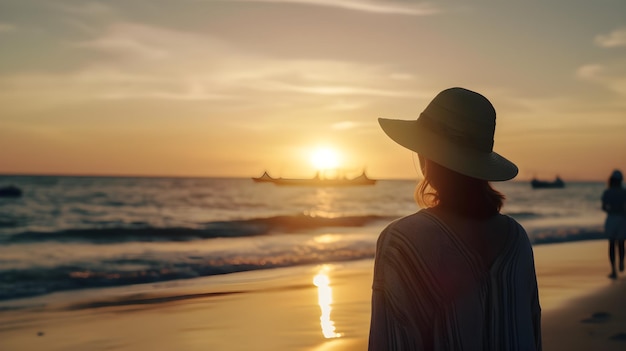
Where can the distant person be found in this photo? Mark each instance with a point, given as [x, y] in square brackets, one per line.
[614, 204]
[456, 275]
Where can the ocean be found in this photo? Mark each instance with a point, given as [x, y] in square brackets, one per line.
[67, 233]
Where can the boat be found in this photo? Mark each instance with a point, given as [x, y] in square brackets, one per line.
[542, 184]
[10, 191]
[362, 179]
[265, 178]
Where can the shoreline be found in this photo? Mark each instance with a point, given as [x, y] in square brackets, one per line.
[582, 309]
[283, 309]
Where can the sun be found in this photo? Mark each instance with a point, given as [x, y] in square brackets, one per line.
[325, 158]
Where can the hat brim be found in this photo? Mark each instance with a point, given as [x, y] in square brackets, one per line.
[462, 159]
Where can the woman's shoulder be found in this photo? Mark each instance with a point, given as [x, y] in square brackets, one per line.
[417, 221]
[418, 226]
[519, 234]
[514, 223]
[614, 192]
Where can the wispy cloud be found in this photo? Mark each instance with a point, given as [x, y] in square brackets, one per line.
[590, 71]
[344, 125]
[381, 7]
[136, 61]
[401, 76]
[88, 16]
[345, 106]
[190, 95]
[6, 27]
[612, 77]
[337, 90]
[86, 8]
[125, 46]
[614, 39]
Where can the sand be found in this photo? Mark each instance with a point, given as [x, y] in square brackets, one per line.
[282, 309]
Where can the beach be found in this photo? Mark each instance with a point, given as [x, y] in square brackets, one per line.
[282, 309]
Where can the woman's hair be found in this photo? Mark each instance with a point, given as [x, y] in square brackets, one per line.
[456, 192]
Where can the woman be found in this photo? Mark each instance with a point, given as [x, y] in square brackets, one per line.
[457, 275]
[614, 204]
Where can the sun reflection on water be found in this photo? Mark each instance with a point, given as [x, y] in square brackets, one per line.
[325, 300]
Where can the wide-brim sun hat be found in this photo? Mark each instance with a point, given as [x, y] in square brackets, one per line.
[456, 131]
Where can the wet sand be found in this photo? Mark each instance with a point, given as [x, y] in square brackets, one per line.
[282, 309]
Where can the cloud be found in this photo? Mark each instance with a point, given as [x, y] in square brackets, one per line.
[402, 76]
[86, 8]
[336, 90]
[617, 84]
[137, 61]
[125, 46]
[589, 72]
[612, 77]
[387, 7]
[345, 106]
[87, 16]
[6, 27]
[614, 39]
[216, 68]
[344, 125]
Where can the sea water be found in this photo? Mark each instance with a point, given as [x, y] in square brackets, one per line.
[69, 233]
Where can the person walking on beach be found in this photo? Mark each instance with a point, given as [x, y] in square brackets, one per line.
[614, 204]
[456, 275]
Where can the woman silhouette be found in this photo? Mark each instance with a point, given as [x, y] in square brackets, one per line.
[614, 204]
[457, 275]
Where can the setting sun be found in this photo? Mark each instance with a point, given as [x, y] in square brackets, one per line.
[325, 158]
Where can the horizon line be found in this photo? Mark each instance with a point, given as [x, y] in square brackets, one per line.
[157, 176]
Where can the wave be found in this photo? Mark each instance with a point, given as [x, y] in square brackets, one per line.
[34, 281]
[145, 299]
[147, 267]
[218, 229]
[8, 223]
[561, 235]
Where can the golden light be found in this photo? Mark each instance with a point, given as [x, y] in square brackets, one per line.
[325, 158]
[325, 300]
[325, 239]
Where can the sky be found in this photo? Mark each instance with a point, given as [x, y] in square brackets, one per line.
[237, 87]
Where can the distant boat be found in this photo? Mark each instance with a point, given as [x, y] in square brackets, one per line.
[10, 191]
[542, 184]
[316, 181]
[265, 178]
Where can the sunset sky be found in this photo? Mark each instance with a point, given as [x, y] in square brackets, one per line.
[236, 87]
